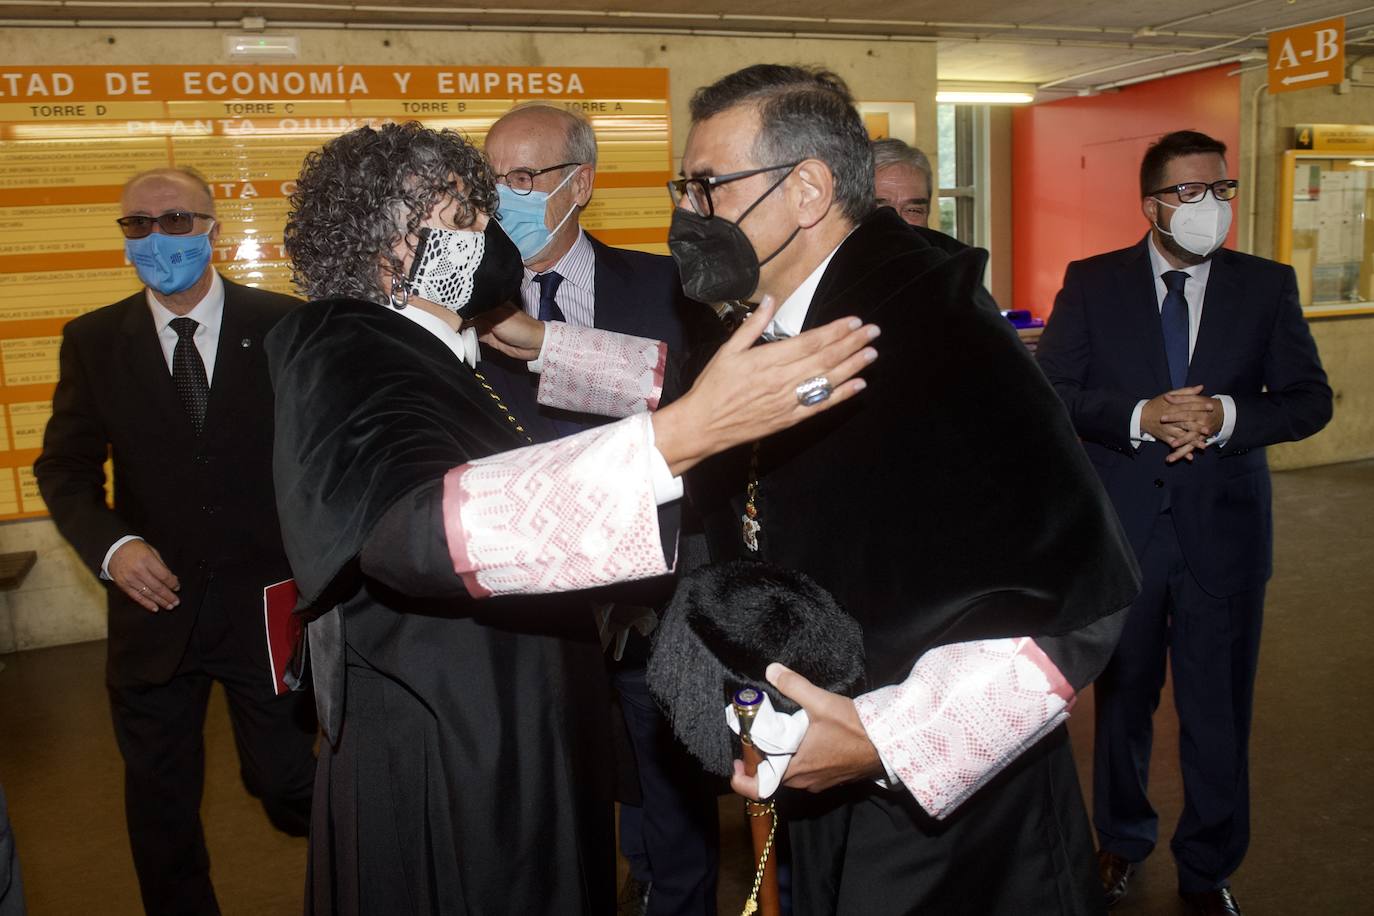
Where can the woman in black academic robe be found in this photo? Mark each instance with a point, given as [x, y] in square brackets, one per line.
[465, 764]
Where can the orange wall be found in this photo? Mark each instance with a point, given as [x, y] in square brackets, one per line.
[1076, 166]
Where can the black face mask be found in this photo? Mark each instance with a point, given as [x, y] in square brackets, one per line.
[466, 272]
[715, 257]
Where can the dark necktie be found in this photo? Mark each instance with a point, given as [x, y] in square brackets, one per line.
[548, 288]
[1173, 318]
[188, 373]
[549, 281]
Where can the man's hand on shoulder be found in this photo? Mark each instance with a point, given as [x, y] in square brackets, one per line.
[1184, 419]
[137, 568]
[835, 750]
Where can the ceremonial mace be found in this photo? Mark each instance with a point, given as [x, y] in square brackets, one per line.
[763, 897]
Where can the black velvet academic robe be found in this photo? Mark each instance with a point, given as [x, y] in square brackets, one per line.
[949, 501]
[464, 769]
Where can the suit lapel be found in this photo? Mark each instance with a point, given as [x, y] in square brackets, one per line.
[608, 288]
[233, 352]
[1140, 312]
[1220, 305]
[148, 366]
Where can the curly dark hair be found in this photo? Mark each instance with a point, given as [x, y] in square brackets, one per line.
[361, 193]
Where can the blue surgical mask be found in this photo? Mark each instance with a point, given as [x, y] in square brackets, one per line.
[522, 216]
[169, 263]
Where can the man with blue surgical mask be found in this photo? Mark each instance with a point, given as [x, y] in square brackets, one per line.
[172, 381]
[1179, 360]
[544, 158]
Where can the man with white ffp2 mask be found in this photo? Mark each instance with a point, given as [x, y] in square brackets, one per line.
[1222, 335]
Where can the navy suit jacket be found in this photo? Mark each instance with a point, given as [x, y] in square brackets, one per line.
[1103, 350]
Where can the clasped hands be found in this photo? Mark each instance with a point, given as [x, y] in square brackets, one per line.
[1183, 419]
[835, 749]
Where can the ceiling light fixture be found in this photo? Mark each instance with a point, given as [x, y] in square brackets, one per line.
[983, 97]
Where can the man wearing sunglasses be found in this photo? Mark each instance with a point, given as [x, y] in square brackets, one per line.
[1179, 361]
[952, 514]
[545, 163]
[173, 382]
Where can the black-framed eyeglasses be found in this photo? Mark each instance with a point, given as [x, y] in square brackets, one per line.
[521, 181]
[698, 190]
[173, 222]
[1190, 192]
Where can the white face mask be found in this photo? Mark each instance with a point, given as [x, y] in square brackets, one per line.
[1199, 227]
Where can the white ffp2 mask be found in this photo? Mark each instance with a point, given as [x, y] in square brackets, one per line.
[1199, 227]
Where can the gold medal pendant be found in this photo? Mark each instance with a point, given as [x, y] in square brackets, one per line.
[751, 532]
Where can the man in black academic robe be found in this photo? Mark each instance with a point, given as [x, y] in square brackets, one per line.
[950, 504]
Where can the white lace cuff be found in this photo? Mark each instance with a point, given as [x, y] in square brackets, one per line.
[964, 713]
[578, 512]
[589, 370]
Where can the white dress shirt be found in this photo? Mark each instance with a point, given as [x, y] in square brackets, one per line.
[576, 295]
[1194, 290]
[791, 315]
[208, 315]
[462, 342]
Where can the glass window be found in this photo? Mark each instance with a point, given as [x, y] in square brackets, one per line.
[959, 160]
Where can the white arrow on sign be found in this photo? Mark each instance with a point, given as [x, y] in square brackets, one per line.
[1306, 77]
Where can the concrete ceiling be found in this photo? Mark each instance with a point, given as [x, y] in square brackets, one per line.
[1060, 45]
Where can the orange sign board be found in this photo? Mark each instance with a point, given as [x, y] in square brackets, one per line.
[1306, 56]
[69, 86]
[70, 136]
[1334, 138]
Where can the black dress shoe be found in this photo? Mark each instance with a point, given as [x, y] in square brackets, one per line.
[634, 897]
[1219, 902]
[1115, 874]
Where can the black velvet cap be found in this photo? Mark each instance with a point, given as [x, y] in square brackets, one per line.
[726, 623]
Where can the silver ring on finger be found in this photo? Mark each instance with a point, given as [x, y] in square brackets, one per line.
[814, 390]
[145, 589]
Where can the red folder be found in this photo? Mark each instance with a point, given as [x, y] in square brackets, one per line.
[284, 629]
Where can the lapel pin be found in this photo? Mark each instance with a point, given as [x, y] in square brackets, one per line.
[245, 343]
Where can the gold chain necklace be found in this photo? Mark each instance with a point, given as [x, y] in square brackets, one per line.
[499, 403]
[750, 518]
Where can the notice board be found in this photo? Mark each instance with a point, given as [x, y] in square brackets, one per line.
[71, 136]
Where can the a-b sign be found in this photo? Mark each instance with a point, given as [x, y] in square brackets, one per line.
[1309, 55]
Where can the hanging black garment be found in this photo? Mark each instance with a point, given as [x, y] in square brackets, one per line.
[464, 771]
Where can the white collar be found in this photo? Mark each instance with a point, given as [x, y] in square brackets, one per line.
[463, 342]
[208, 312]
[1159, 266]
[789, 318]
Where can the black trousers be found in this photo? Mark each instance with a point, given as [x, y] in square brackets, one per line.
[159, 732]
[673, 839]
[11, 884]
[1212, 647]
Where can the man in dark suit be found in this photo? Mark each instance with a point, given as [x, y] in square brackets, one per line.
[173, 383]
[1179, 362]
[545, 161]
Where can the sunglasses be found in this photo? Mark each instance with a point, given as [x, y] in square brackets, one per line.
[173, 222]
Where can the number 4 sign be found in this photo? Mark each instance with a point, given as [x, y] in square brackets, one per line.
[1306, 56]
